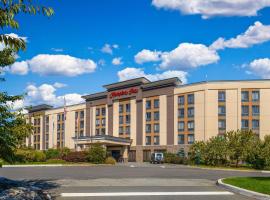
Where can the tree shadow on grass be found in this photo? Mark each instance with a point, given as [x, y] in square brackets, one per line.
[41, 186]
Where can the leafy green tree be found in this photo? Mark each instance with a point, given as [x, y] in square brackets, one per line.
[238, 141]
[216, 151]
[9, 9]
[13, 125]
[197, 152]
[96, 154]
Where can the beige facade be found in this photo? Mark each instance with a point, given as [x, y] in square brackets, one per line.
[178, 115]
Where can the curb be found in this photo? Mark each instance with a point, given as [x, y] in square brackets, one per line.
[245, 192]
[47, 165]
[56, 165]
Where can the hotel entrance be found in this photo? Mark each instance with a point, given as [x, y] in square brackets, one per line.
[115, 146]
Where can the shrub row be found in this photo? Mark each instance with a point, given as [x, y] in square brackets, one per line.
[233, 149]
[96, 154]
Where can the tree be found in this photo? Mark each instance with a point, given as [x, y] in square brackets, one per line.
[9, 9]
[216, 151]
[238, 141]
[13, 125]
[96, 154]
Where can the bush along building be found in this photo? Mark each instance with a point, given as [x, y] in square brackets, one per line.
[133, 118]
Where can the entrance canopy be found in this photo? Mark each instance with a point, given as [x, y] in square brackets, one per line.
[107, 140]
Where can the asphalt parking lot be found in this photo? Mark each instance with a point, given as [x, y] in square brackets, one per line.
[130, 181]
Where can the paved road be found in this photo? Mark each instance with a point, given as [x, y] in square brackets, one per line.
[133, 181]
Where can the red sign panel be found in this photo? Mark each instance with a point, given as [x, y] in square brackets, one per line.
[123, 92]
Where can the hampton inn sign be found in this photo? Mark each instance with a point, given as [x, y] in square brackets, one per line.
[123, 93]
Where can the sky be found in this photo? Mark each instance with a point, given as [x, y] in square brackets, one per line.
[87, 44]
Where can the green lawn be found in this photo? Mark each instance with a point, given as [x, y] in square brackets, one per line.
[257, 184]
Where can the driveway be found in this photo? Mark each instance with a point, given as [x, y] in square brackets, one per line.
[130, 181]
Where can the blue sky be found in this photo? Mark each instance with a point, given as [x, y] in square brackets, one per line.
[67, 48]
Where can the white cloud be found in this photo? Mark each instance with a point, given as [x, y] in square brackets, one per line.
[147, 56]
[255, 34]
[211, 8]
[16, 105]
[107, 48]
[260, 67]
[131, 73]
[186, 55]
[116, 46]
[117, 61]
[57, 49]
[45, 93]
[59, 85]
[20, 68]
[46, 64]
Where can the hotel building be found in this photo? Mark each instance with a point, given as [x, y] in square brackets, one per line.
[136, 117]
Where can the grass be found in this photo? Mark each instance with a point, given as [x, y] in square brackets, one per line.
[257, 184]
[244, 167]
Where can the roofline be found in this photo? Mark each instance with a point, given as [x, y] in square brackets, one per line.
[221, 81]
[134, 79]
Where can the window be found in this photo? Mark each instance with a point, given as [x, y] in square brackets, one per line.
[81, 114]
[156, 140]
[63, 117]
[255, 96]
[148, 128]
[103, 131]
[148, 140]
[245, 110]
[81, 133]
[190, 138]
[181, 100]
[255, 110]
[63, 126]
[47, 128]
[191, 99]
[121, 130]
[103, 121]
[190, 125]
[191, 112]
[81, 124]
[181, 113]
[221, 110]
[97, 131]
[221, 96]
[181, 139]
[244, 96]
[148, 104]
[148, 116]
[128, 130]
[47, 119]
[103, 111]
[121, 108]
[255, 124]
[156, 116]
[58, 117]
[156, 103]
[76, 115]
[127, 119]
[156, 128]
[97, 112]
[244, 124]
[58, 127]
[121, 120]
[97, 122]
[181, 126]
[221, 124]
[128, 107]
